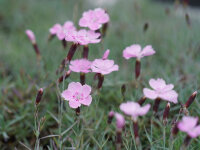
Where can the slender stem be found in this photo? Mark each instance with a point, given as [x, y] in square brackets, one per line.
[64, 43]
[137, 68]
[156, 105]
[85, 51]
[118, 139]
[136, 132]
[82, 78]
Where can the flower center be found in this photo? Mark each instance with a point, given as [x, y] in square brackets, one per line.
[78, 96]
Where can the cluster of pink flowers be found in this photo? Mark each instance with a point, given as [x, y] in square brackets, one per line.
[78, 94]
[94, 19]
[60, 31]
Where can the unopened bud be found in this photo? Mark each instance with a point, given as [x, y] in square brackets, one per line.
[123, 89]
[78, 110]
[166, 113]
[187, 18]
[175, 129]
[191, 99]
[110, 117]
[71, 52]
[146, 26]
[104, 29]
[65, 76]
[31, 36]
[106, 54]
[142, 100]
[100, 82]
[39, 96]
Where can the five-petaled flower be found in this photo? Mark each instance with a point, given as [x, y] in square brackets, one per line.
[134, 109]
[93, 19]
[161, 90]
[135, 50]
[104, 66]
[80, 65]
[60, 31]
[189, 125]
[77, 94]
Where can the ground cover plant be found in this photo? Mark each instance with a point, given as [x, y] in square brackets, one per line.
[84, 75]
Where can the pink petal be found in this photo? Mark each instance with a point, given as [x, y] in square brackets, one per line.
[143, 110]
[147, 51]
[195, 132]
[67, 95]
[187, 123]
[170, 96]
[132, 51]
[87, 101]
[151, 94]
[157, 84]
[83, 22]
[74, 87]
[74, 104]
[120, 121]
[168, 87]
[86, 90]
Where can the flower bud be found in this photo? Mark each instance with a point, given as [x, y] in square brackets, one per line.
[166, 113]
[104, 29]
[39, 96]
[146, 26]
[106, 54]
[123, 90]
[142, 100]
[65, 76]
[110, 117]
[191, 99]
[31, 36]
[100, 82]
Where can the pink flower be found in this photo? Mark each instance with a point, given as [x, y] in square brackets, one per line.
[80, 65]
[31, 36]
[83, 37]
[55, 29]
[106, 53]
[93, 19]
[189, 125]
[136, 51]
[120, 121]
[60, 31]
[161, 90]
[77, 94]
[104, 66]
[134, 109]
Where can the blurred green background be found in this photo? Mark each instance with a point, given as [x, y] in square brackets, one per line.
[177, 46]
